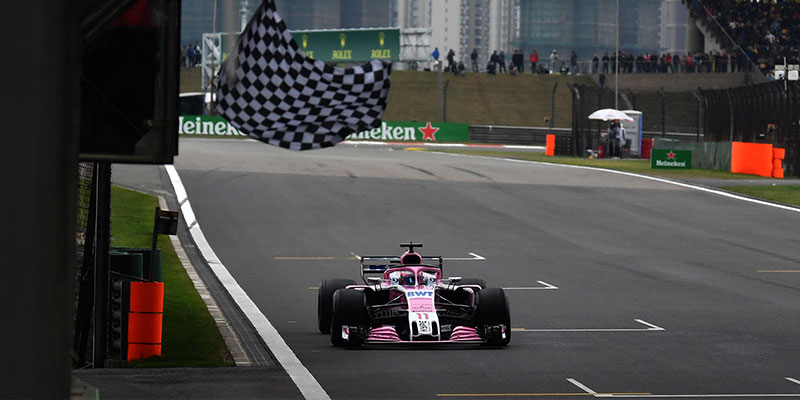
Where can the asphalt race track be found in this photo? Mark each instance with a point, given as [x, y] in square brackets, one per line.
[619, 285]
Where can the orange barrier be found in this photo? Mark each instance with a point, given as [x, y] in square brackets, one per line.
[778, 153]
[777, 163]
[550, 145]
[777, 173]
[752, 158]
[145, 319]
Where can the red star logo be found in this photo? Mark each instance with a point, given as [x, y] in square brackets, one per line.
[671, 155]
[428, 132]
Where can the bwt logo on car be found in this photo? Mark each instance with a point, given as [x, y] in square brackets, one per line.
[419, 294]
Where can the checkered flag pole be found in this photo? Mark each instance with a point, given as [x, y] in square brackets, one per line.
[274, 93]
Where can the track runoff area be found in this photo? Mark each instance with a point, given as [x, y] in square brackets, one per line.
[660, 293]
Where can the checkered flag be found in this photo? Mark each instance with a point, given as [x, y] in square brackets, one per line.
[274, 93]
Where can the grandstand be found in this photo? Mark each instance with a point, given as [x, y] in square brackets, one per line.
[757, 32]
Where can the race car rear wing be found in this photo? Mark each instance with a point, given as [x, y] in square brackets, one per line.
[378, 264]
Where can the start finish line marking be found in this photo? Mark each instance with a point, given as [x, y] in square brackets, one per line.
[649, 328]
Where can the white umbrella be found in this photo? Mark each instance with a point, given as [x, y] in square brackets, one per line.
[608, 114]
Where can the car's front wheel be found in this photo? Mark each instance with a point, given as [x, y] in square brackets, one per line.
[493, 317]
[350, 318]
[325, 301]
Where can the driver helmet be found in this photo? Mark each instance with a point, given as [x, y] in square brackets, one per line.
[404, 278]
[427, 278]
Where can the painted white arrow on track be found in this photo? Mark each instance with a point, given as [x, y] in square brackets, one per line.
[545, 286]
[650, 327]
[474, 257]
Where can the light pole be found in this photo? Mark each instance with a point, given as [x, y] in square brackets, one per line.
[616, 66]
[243, 13]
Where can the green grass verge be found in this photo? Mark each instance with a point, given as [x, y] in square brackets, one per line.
[638, 166]
[782, 194]
[190, 337]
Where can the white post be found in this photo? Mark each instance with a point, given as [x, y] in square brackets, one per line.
[243, 13]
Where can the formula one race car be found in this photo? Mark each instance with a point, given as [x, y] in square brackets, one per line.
[409, 302]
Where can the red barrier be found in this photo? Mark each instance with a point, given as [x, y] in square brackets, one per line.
[550, 145]
[145, 319]
[777, 173]
[647, 148]
[751, 158]
[778, 153]
[777, 163]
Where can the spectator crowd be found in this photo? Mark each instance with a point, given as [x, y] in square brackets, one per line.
[767, 31]
[699, 62]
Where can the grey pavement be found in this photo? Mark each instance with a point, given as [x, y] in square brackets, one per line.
[712, 274]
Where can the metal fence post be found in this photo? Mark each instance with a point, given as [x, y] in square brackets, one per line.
[553, 106]
[101, 270]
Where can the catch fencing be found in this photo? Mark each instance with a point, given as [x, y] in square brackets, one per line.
[93, 237]
[664, 114]
[763, 113]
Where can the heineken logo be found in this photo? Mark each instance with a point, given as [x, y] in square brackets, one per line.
[428, 132]
[398, 133]
[415, 131]
[206, 125]
[664, 158]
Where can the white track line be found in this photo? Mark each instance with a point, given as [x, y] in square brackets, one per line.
[308, 385]
[581, 386]
[684, 396]
[474, 257]
[545, 286]
[792, 380]
[652, 178]
[698, 396]
[650, 327]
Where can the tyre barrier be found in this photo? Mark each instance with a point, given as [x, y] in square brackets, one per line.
[145, 319]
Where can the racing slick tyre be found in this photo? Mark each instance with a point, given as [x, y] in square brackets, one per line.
[325, 301]
[349, 309]
[492, 310]
[473, 281]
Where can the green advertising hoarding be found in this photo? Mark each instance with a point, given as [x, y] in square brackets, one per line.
[672, 159]
[206, 125]
[353, 45]
[390, 131]
[405, 131]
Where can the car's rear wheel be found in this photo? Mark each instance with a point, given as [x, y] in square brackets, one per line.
[325, 301]
[349, 310]
[492, 310]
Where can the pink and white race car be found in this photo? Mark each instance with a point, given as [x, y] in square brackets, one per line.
[405, 300]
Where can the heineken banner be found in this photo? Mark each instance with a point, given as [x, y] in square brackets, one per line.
[353, 45]
[415, 132]
[206, 125]
[676, 159]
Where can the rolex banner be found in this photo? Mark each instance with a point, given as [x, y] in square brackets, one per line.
[671, 159]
